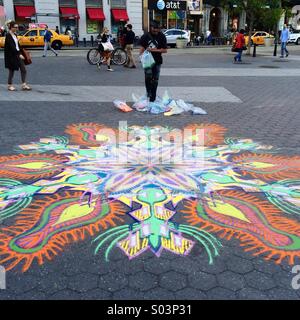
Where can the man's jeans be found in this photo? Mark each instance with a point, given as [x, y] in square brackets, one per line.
[48, 46]
[151, 81]
[238, 57]
[284, 49]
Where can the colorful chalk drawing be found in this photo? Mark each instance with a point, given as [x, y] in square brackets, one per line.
[147, 188]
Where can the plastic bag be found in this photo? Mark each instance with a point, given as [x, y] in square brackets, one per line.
[107, 46]
[147, 60]
[122, 106]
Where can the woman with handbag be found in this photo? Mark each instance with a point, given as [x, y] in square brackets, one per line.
[106, 48]
[239, 45]
[14, 59]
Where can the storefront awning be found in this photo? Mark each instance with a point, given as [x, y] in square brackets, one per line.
[120, 14]
[95, 14]
[69, 13]
[25, 11]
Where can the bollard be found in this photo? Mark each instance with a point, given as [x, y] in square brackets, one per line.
[275, 49]
[254, 50]
[76, 41]
[92, 41]
[84, 42]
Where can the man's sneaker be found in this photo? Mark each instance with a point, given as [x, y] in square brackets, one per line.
[281, 56]
[110, 69]
[133, 67]
[287, 55]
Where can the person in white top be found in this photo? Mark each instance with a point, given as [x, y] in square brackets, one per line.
[14, 60]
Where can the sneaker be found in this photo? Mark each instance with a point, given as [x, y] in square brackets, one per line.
[56, 54]
[281, 56]
[44, 56]
[133, 67]
[99, 66]
[11, 88]
[110, 69]
[26, 87]
[287, 55]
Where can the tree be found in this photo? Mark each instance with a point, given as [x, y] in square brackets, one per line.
[255, 9]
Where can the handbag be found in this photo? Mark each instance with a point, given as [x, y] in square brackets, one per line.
[107, 46]
[27, 56]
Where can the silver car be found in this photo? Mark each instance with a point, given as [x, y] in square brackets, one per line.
[173, 34]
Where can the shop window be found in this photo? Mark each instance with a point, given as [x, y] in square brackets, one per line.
[23, 2]
[67, 3]
[94, 27]
[118, 3]
[93, 3]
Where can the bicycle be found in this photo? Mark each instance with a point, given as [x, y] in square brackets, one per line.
[118, 56]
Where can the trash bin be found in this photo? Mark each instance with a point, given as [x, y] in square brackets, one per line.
[269, 42]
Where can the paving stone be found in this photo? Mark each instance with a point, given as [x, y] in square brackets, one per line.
[96, 294]
[282, 294]
[283, 279]
[53, 283]
[239, 265]
[113, 282]
[143, 281]
[231, 280]
[266, 266]
[252, 294]
[159, 294]
[259, 280]
[83, 282]
[203, 281]
[128, 294]
[157, 266]
[65, 295]
[184, 265]
[173, 281]
[190, 294]
[221, 294]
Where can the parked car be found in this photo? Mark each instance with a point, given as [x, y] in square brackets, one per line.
[258, 37]
[173, 34]
[295, 37]
[35, 38]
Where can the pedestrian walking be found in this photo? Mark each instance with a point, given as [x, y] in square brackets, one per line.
[13, 58]
[129, 41]
[156, 43]
[47, 40]
[284, 37]
[57, 30]
[106, 48]
[68, 32]
[239, 45]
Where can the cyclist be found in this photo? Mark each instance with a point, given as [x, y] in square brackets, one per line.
[105, 48]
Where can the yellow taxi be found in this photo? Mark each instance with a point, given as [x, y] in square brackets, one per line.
[258, 37]
[35, 38]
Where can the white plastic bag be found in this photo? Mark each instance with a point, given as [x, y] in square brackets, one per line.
[147, 60]
[108, 46]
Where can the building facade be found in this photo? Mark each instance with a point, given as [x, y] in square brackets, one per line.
[197, 16]
[84, 17]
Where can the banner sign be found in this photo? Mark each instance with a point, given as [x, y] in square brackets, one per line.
[162, 5]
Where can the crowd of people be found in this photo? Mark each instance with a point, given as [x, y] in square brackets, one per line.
[154, 42]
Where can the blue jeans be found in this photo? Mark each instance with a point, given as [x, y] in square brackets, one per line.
[151, 81]
[284, 49]
[238, 57]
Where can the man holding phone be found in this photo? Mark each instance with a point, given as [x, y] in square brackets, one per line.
[156, 43]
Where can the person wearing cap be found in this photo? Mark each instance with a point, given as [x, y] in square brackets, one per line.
[129, 41]
[156, 43]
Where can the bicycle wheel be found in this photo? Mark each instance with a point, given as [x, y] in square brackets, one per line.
[93, 56]
[119, 56]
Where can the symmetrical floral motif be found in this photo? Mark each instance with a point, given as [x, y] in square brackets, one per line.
[174, 188]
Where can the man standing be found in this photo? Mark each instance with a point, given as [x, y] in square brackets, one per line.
[129, 41]
[156, 43]
[47, 40]
[285, 35]
[57, 30]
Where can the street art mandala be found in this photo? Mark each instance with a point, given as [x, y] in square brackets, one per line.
[176, 189]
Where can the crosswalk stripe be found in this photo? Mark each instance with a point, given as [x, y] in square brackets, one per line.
[230, 72]
[109, 93]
